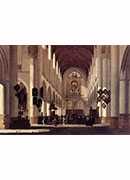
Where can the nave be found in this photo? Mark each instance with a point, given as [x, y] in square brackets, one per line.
[76, 85]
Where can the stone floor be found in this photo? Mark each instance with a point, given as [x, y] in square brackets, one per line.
[97, 129]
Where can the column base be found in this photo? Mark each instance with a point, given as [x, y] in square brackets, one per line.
[34, 120]
[124, 121]
[2, 120]
[112, 121]
[98, 120]
[106, 120]
[17, 123]
[128, 120]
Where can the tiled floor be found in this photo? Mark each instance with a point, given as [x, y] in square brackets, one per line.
[97, 129]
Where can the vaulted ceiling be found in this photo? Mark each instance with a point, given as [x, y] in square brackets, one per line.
[79, 56]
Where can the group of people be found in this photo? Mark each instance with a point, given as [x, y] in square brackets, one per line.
[52, 119]
[71, 118]
[93, 116]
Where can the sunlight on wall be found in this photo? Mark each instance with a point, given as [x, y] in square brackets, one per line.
[48, 111]
[58, 112]
[100, 109]
[54, 60]
[43, 108]
[104, 112]
[49, 52]
[83, 91]
[43, 46]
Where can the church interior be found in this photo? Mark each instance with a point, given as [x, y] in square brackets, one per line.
[51, 87]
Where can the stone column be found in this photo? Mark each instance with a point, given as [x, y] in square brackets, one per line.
[45, 108]
[36, 72]
[48, 110]
[42, 108]
[33, 52]
[104, 83]
[108, 78]
[7, 105]
[13, 82]
[114, 85]
[99, 75]
[124, 99]
[124, 120]
[123, 108]
[3, 104]
[31, 77]
[128, 102]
